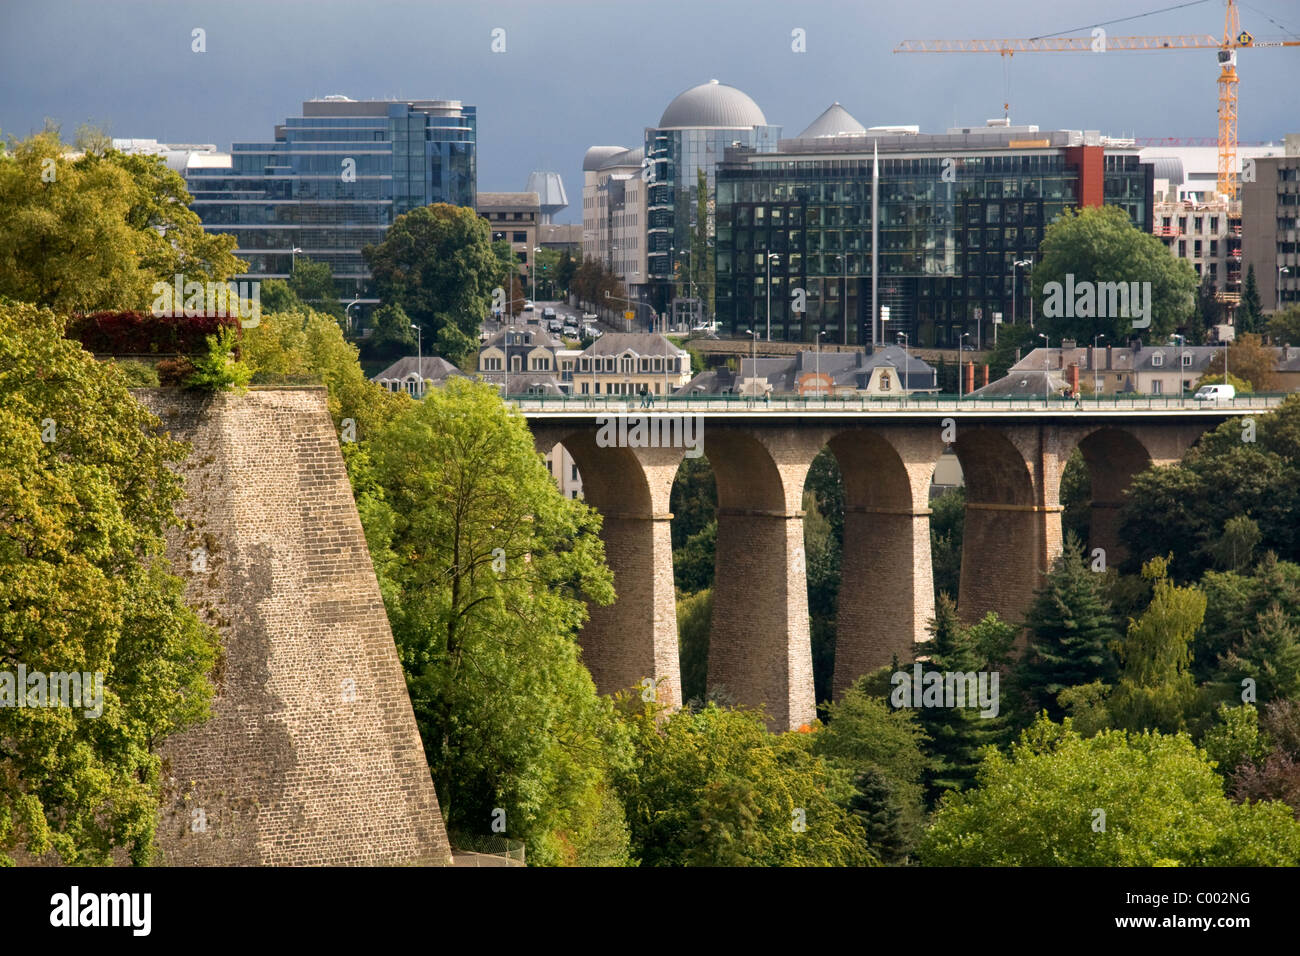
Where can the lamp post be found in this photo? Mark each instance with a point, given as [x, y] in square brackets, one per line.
[845, 296]
[818, 372]
[961, 371]
[419, 356]
[1047, 358]
[770, 257]
[293, 259]
[1014, 266]
[1182, 339]
[532, 268]
[907, 357]
[753, 360]
[1281, 271]
[347, 313]
[1096, 375]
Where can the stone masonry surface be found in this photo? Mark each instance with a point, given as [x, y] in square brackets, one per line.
[312, 755]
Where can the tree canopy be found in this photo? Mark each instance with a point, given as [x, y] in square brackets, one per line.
[86, 492]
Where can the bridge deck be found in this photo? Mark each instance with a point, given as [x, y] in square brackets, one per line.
[581, 406]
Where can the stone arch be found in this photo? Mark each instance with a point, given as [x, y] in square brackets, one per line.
[1011, 530]
[886, 580]
[635, 637]
[759, 642]
[1114, 456]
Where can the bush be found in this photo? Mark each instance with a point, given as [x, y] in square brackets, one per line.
[217, 369]
[140, 333]
[174, 371]
[139, 374]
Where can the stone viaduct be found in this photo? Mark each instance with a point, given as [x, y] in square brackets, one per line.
[759, 647]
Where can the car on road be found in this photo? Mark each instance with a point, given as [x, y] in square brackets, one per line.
[548, 313]
[554, 325]
[592, 330]
[528, 305]
[589, 317]
[571, 331]
[1215, 393]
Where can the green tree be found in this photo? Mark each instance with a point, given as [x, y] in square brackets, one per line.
[947, 521]
[1163, 805]
[277, 296]
[1249, 359]
[957, 734]
[694, 615]
[392, 336]
[863, 735]
[1156, 689]
[1250, 312]
[97, 232]
[1072, 632]
[1268, 655]
[1185, 508]
[487, 570]
[565, 270]
[546, 262]
[1235, 739]
[437, 263]
[1209, 313]
[1076, 497]
[693, 562]
[693, 499]
[217, 369]
[1101, 245]
[313, 284]
[714, 788]
[88, 489]
[1235, 601]
[1284, 326]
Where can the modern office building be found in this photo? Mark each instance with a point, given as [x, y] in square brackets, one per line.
[1270, 217]
[961, 216]
[514, 218]
[614, 213]
[333, 181]
[693, 135]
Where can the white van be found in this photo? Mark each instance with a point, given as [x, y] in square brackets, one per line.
[1215, 393]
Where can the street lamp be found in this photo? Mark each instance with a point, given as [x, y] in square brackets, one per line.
[1014, 266]
[1096, 373]
[907, 358]
[753, 360]
[770, 257]
[1281, 271]
[961, 371]
[1182, 340]
[419, 356]
[293, 258]
[533, 269]
[818, 373]
[1047, 358]
[347, 313]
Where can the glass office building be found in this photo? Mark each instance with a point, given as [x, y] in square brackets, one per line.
[693, 134]
[334, 180]
[957, 211]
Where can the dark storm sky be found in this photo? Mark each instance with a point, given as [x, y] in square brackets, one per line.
[578, 73]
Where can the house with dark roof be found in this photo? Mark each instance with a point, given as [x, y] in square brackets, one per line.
[888, 371]
[415, 373]
[628, 363]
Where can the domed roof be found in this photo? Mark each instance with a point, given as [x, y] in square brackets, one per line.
[712, 104]
[836, 121]
[597, 155]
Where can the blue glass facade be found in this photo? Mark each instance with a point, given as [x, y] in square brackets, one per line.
[953, 221]
[333, 181]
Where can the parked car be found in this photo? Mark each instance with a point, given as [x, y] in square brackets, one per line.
[592, 330]
[571, 331]
[528, 305]
[554, 325]
[548, 313]
[1215, 393]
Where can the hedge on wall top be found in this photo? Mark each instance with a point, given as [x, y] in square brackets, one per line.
[140, 333]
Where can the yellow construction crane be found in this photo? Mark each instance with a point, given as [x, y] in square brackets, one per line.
[1234, 39]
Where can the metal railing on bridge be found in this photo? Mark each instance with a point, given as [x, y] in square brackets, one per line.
[914, 404]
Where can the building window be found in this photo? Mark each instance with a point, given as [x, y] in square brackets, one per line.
[1157, 387]
[519, 237]
[1187, 360]
[1158, 360]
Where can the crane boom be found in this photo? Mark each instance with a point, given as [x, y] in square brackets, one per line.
[1234, 39]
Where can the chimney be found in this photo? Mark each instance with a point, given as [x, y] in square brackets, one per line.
[1074, 377]
[968, 369]
[1109, 358]
[986, 373]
